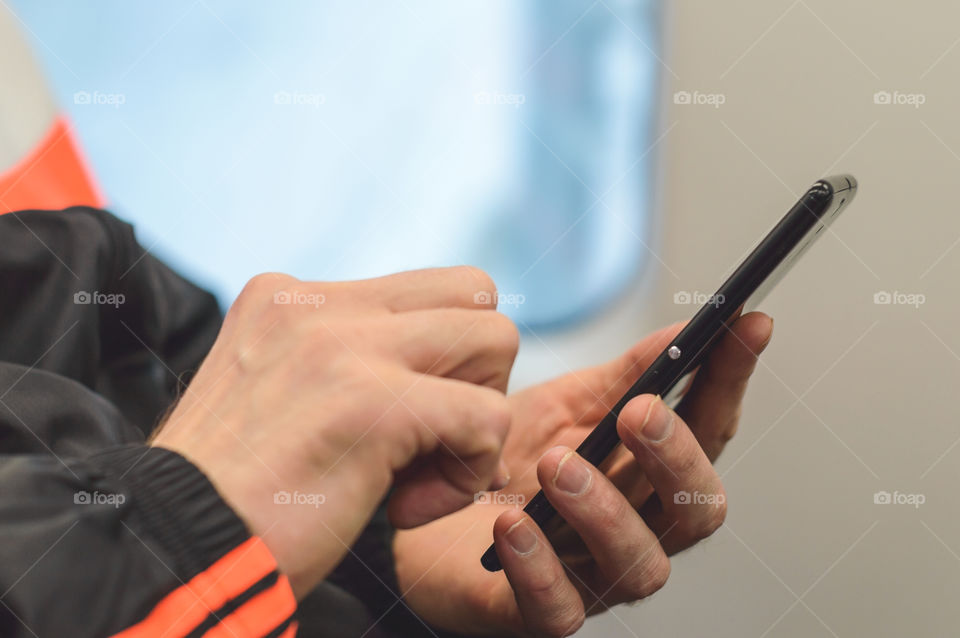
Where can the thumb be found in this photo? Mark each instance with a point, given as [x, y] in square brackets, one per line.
[442, 484]
[591, 392]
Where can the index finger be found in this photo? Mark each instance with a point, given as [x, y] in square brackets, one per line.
[454, 287]
[712, 405]
[689, 490]
[547, 600]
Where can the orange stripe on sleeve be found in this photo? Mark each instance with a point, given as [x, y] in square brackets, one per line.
[183, 609]
[259, 615]
[53, 175]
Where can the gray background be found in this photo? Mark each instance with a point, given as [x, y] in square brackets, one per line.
[852, 397]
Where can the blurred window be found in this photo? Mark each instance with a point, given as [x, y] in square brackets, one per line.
[348, 138]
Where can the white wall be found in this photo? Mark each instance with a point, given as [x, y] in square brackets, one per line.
[852, 397]
[27, 109]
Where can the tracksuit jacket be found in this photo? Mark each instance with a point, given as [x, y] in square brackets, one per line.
[101, 535]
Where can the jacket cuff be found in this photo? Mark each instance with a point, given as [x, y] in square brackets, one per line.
[177, 503]
[229, 578]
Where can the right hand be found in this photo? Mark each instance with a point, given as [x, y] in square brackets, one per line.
[326, 394]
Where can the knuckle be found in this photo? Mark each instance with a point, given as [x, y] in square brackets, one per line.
[726, 433]
[565, 622]
[487, 420]
[265, 284]
[688, 462]
[657, 576]
[545, 584]
[715, 517]
[506, 335]
[257, 300]
[708, 519]
[649, 576]
[478, 279]
[261, 292]
[498, 417]
[502, 416]
[610, 508]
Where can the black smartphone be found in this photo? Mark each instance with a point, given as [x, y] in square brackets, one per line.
[746, 287]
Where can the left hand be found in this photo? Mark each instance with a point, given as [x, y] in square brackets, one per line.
[623, 522]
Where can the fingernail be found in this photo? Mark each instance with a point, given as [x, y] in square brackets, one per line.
[522, 539]
[573, 476]
[501, 479]
[658, 424]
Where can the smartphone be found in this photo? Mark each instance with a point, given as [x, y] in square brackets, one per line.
[746, 287]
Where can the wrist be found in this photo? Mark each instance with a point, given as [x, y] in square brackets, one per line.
[308, 511]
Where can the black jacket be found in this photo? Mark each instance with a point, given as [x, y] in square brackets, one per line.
[101, 535]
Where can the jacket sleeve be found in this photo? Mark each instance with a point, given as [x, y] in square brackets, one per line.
[80, 297]
[132, 542]
[100, 534]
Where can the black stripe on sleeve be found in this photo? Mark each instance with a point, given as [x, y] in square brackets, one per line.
[216, 616]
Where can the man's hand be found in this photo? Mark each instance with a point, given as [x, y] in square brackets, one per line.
[316, 397]
[657, 495]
